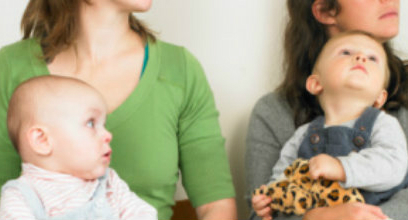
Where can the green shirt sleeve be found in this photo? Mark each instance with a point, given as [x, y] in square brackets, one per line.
[203, 160]
[9, 159]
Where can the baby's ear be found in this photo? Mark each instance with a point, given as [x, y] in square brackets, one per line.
[321, 15]
[381, 99]
[313, 84]
[39, 141]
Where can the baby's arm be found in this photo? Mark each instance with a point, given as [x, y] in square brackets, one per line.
[384, 164]
[13, 206]
[130, 206]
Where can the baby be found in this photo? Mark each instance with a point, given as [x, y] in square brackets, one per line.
[57, 125]
[354, 143]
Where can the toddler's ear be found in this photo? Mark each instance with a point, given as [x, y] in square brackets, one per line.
[313, 85]
[321, 15]
[381, 99]
[38, 141]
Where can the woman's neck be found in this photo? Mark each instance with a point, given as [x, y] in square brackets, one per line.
[104, 33]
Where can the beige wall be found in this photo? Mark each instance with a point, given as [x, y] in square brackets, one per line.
[239, 44]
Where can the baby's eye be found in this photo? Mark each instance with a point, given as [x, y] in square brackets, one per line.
[90, 123]
[345, 52]
[373, 58]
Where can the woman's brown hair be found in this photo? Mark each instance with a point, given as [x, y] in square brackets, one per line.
[55, 24]
[304, 39]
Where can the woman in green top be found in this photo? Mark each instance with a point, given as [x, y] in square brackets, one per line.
[163, 122]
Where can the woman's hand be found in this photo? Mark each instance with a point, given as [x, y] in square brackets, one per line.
[347, 211]
[260, 203]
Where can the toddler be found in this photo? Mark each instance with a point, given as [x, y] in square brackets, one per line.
[355, 142]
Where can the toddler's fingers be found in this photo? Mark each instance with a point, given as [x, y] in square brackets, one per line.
[257, 198]
[314, 173]
[314, 170]
[264, 213]
[261, 203]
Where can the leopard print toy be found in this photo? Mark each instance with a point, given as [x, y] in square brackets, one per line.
[299, 193]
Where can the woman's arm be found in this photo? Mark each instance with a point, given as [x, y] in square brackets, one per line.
[203, 160]
[221, 209]
[348, 211]
[270, 126]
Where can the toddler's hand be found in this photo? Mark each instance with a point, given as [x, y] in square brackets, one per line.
[260, 203]
[327, 167]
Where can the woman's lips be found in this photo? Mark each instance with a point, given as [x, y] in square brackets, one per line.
[389, 14]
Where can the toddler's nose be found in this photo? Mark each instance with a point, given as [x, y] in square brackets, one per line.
[361, 58]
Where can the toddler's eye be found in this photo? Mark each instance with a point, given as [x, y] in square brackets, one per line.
[345, 52]
[372, 58]
[90, 123]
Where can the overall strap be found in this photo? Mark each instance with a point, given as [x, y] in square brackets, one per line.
[363, 127]
[317, 123]
[311, 144]
[30, 196]
[366, 121]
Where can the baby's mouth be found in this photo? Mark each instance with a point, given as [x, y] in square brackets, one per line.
[108, 154]
[359, 67]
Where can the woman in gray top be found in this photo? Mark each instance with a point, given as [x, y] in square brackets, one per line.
[277, 114]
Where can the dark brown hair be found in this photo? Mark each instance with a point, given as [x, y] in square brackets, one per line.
[304, 39]
[55, 24]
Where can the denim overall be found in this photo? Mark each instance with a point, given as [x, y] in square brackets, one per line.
[340, 141]
[97, 208]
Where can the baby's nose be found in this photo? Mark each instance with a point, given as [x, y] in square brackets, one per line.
[107, 137]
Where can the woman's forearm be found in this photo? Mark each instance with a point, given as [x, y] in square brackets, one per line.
[348, 211]
[220, 209]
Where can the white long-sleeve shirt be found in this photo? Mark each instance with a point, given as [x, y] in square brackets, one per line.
[61, 193]
[377, 168]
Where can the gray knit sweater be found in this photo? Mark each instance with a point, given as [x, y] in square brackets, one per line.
[270, 126]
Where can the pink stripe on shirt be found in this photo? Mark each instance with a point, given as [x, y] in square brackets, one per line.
[61, 193]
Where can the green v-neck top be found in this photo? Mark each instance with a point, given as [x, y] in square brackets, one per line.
[168, 123]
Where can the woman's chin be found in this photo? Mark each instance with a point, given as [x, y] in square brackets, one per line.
[387, 33]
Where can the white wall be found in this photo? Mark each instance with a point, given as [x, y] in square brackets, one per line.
[10, 17]
[239, 45]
